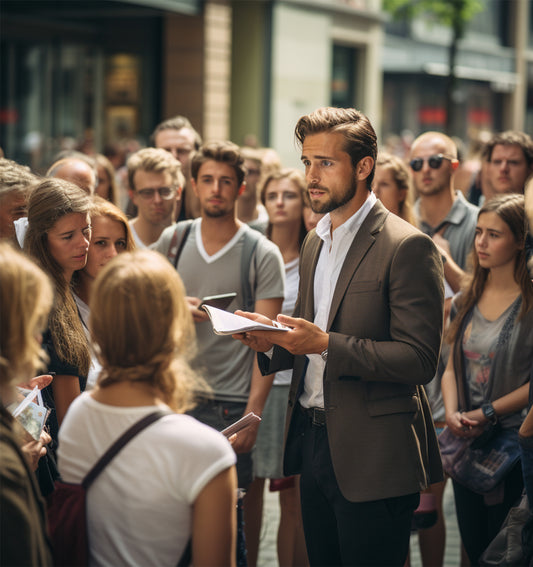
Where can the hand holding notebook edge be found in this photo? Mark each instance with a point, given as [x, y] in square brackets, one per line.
[225, 323]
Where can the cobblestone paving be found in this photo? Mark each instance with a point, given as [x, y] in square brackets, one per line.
[268, 554]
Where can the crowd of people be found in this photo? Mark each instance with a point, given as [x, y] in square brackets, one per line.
[407, 305]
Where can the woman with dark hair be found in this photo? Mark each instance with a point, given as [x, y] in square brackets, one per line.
[491, 333]
[58, 236]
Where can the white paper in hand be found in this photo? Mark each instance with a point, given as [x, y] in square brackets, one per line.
[225, 323]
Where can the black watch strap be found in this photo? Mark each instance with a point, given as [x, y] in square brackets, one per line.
[488, 411]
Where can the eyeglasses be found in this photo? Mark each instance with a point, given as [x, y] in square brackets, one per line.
[434, 161]
[165, 193]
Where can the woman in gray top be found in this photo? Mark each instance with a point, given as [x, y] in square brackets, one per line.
[486, 379]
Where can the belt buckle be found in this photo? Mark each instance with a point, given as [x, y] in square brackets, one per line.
[318, 416]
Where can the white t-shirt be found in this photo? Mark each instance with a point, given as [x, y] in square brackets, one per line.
[138, 242]
[292, 278]
[140, 507]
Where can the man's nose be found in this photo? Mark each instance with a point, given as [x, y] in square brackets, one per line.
[312, 174]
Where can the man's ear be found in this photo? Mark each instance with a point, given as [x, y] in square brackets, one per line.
[364, 168]
[241, 189]
[193, 185]
[455, 164]
[178, 193]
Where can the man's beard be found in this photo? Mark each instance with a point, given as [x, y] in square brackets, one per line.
[215, 213]
[334, 202]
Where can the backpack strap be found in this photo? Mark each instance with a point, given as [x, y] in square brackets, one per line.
[251, 239]
[181, 233]
[125, 438]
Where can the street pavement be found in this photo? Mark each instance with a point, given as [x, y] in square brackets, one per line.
[267, 548]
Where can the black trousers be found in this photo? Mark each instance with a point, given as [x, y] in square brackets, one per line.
[340, 532]
[479, 521]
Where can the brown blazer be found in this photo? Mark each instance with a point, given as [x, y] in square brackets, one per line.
[384, 330]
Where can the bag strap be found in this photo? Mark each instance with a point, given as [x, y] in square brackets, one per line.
[125, 438]
[251, 239]
[181, 233]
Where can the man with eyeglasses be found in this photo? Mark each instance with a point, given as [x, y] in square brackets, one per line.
[177, 136]
[156, 182]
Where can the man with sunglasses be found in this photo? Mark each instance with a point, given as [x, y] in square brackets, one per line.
[445, 215]
[156, 181]
[442, 212]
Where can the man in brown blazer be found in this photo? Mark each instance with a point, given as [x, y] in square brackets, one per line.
[364, 338]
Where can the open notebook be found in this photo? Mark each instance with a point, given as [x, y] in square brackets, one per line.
[225, 323]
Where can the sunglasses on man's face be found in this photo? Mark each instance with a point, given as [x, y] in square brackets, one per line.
[434, 161]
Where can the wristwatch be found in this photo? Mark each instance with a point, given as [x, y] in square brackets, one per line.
[488, 411]
[324, 355]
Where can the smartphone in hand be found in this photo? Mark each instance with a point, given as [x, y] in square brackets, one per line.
[240, 424]
[221, 301]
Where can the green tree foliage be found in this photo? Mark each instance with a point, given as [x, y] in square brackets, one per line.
[454, 14]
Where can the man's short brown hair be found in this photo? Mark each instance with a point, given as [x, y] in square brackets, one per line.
[224, 152]
[511, 138]
[359, 136]
[176, 123]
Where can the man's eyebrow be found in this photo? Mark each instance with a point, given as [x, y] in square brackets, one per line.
[319, 157]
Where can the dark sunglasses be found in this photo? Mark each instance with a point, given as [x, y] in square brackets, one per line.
[434, 161]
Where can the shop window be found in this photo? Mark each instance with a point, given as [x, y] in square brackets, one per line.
[343, 76]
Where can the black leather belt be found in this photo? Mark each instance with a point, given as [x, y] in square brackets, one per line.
[316, 415]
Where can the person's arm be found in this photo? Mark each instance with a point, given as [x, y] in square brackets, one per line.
[416, 306]
[452, 272]
[65, 389]
[260, 385]
[214, 522]
[526, 429]
[510, 403]
[451, 402]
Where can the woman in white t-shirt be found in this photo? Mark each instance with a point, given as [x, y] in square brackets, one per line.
[176, 479]
[283, 194]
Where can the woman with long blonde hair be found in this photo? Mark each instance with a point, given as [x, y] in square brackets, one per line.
[25, 300]
[177, 478]
[58, 236]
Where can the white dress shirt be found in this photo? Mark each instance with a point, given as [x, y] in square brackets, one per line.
[330, 262]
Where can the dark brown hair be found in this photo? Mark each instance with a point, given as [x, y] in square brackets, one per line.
[359, 137]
